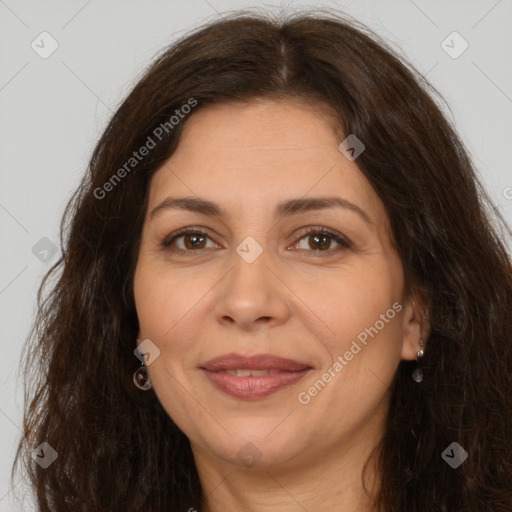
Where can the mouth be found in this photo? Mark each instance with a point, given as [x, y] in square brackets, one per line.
[249, 372]
[253, 377]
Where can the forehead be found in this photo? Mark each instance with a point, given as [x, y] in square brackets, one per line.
[251, 156]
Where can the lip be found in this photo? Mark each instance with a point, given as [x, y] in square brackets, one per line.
[288, 372]
[256, 362]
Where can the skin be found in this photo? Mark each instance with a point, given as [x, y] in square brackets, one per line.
[292, 301]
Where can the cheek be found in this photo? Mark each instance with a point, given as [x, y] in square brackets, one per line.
[351, 299]
[363, 311]
[166, 302]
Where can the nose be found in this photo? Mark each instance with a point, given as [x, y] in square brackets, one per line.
[253, 294]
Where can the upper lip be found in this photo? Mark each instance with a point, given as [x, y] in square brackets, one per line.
[255, 362]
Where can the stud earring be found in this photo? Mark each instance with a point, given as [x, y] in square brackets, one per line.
[417, 374]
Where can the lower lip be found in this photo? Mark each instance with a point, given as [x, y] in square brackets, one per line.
[252, 388]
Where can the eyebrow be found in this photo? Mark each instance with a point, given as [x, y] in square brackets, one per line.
[282, 210]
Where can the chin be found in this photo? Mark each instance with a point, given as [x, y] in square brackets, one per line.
[262, 445]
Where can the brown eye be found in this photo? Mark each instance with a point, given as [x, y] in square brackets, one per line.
[192, 240]
[319, 240]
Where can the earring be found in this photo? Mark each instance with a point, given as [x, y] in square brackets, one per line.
[141, 378]
[417, 374]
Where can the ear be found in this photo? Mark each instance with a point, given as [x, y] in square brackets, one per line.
[415, 326]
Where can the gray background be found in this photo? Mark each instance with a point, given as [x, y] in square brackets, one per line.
[52, 110]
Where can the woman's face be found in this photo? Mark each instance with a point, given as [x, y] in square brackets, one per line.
[257, 283]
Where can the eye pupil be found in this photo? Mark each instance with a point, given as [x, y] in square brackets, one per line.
[323, 245]
[194, 239]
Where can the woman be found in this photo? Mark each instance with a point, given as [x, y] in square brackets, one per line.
[280, 290]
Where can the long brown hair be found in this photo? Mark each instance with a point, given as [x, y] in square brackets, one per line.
[118, 450]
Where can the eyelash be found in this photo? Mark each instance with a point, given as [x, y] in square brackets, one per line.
[337, 237]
